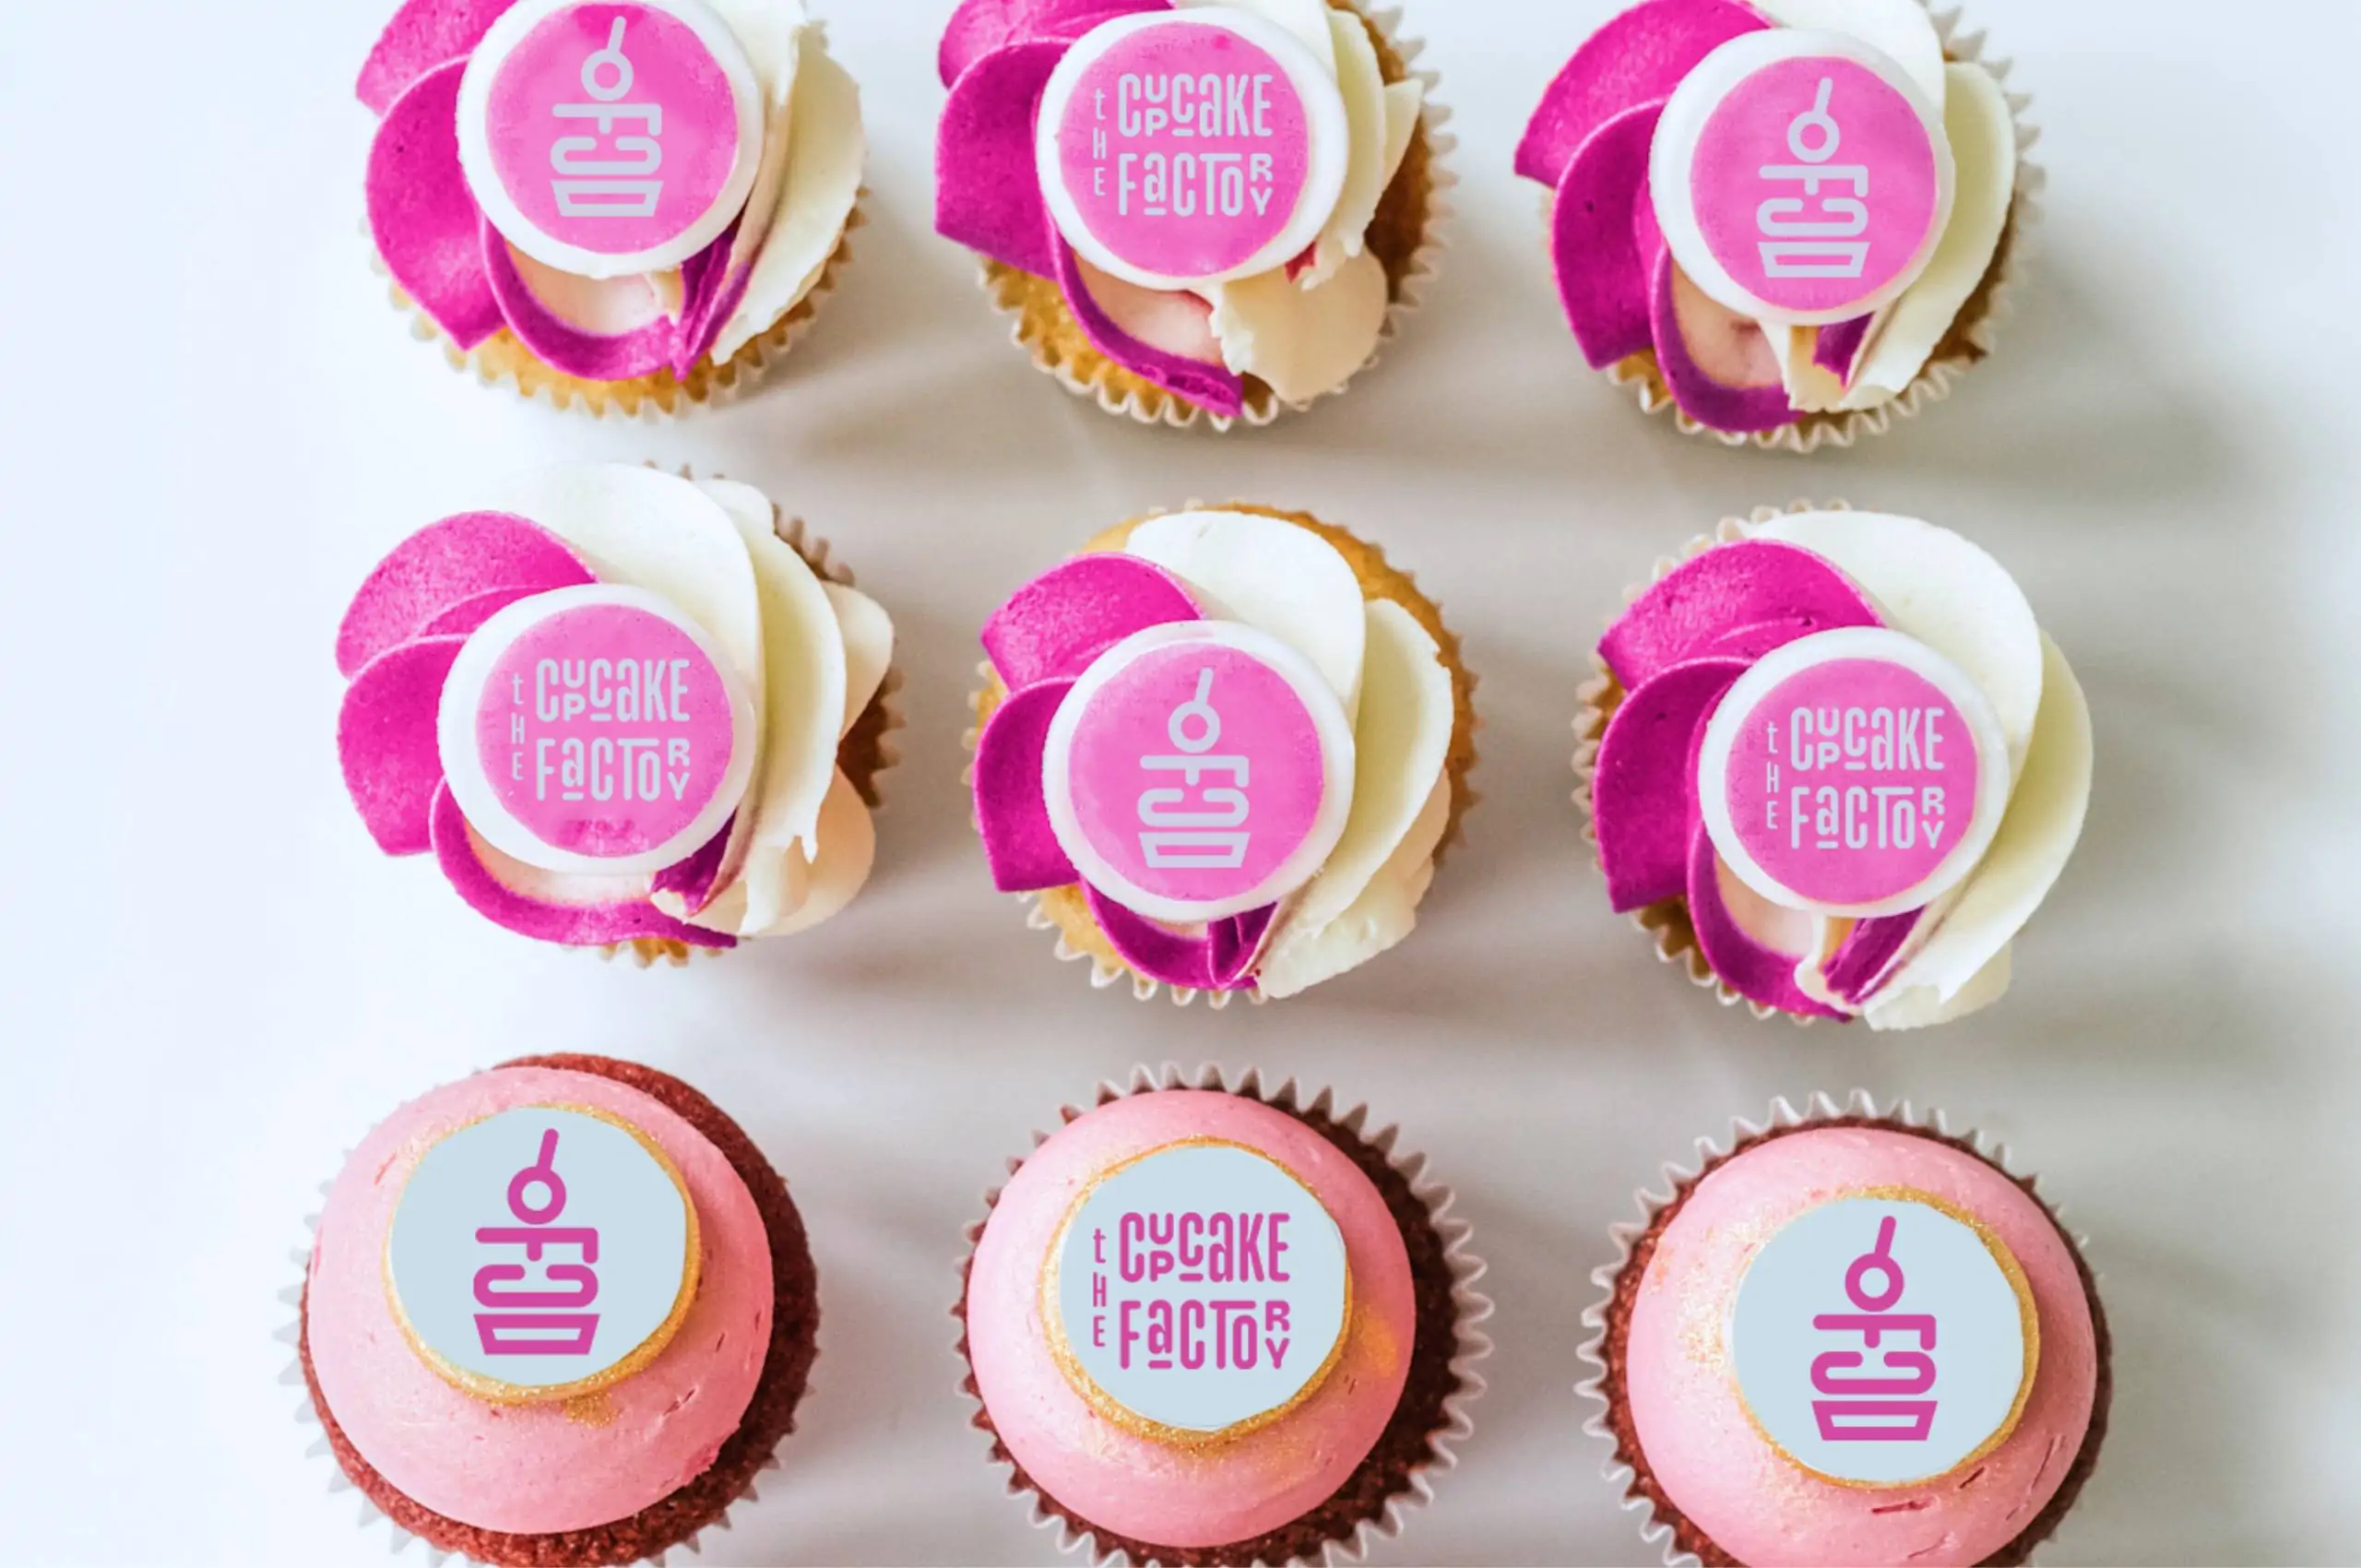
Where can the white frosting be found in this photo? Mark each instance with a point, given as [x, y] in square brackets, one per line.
[1303, 341]
[1362, 81]
[1938, 588]
[812, 656]
[1923, 1007]
[1273, 576]
[1902, 28]
[607, 305]
[1306, 19]
[1386, 912]
[826, 148]
[1983, 145]
[772, 33]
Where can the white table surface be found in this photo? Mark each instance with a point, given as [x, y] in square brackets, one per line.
[211, 984]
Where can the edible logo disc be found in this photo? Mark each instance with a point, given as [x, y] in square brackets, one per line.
[541, 1254]
[1181, 149]
[595, 728]
[609, 139]
[1883, 1339]
[1801, 177]
[1197, 1291]
[1855, 773]
[1199, 770]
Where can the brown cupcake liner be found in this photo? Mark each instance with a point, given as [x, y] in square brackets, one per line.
[1662, 1525]
[1975, 333]
[1406, 235]
[501, 360]
[1066, 911]
[678, 1520]
[864, 756]
[1666, 924]
[1396, 1479]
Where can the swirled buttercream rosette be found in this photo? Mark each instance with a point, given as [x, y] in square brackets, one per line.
[1221, 751]
[1787, 223]
[1211, 210]
[623, 710]
[1317, 1456]
[1832, 767]
[631, 205]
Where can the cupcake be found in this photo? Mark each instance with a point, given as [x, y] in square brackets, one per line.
[1293, 729]
[623, 710]
[627, 203]
[1208, 1325]
[1853, 1340]
[557, 1314]
[1833, 765]
[1214, 209]
[1790, 220]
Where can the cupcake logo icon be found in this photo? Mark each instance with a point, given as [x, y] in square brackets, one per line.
[1206, 830]
[522, 1322]
[618, 179]
[1797, 242]
[1884, 1339]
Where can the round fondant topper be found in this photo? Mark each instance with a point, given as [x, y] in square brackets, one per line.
[1801, 177]
[542, 1253]
[1196, 1292]
[608, 138]
[1199, 770]
[1187, 149]
[1884, 1340]
[1853, 773]
[595, 728]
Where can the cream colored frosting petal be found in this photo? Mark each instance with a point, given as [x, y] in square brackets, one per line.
[1923, 1007]
[2036, 841]
[824, 151]
[772, 34]
[1900, 28]
[1984, 145]
[1362, 82]
[1943, 591]
[1303, 342]
[1811, 390]
[869, 647]
[1402, 746]
[1271, 575]
[1386, 912]
[849, 839]
[1308, 19]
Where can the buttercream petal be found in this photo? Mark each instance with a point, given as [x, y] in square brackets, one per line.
[1604, 278]
[868, 636]
[1869, 952]
[986, 184]
[1299, 957]
[825, 150]
[423, 35]
[1644, 789]
[1638, 57]
[1361, 80]
[848, 853]
[468, 866]
[421, 218]
[693, 882]
[443, 565]
[1210, 387]
[1302, 341]
[469, 613]
[1011, 808]
[1772, 594]
[1747, 964]
[557, 343]
[1680, 310]
[1903, 30]
[1838, 348]
[1307, 19]
[385, 741]
[980, 27]
[1219, 958]
[1170, 321]
[1057, 623]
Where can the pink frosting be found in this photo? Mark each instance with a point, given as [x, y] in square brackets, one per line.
[423, 221]
[1219, 958]
[1715, 1465]
[384, 741]
[599, 922]
[1644, 767]
[1738, 600]
[533, 1469]
[1603, 283]
[1131, 1485]
[1747, 964]
[1054, 625]
[1011, 808]
[979, 27]
[423, 35]
[443, 567]
[1639, 57]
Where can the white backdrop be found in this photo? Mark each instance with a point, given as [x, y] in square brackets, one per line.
[210, 983]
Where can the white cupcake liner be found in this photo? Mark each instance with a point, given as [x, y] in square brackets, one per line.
[1820, 1107]
[1409, 291]
[1471, 1307]
[1935, 380]
[1672, 945]
[817, 553]
[307, 1415]
[736, 378]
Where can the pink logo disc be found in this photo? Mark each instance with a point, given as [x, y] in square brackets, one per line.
[1816, 184]
[612, 128]
[1194, 773]
[1184, 148]
[1853, 781]
[605, 730]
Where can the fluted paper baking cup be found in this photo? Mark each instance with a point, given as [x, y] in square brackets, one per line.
[1470, 1307]
[1857, 1109]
